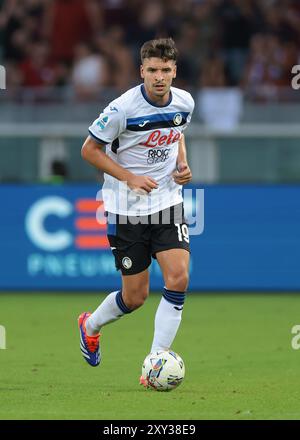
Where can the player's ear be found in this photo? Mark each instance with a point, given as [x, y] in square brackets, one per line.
[175, 71]
[142, 71]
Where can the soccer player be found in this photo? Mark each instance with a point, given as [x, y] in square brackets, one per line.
[145, 166]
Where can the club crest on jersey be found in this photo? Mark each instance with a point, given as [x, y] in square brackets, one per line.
[177, 119]
[126, 262]
[102, 122]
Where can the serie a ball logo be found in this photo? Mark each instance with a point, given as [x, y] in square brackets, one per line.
[177, 119]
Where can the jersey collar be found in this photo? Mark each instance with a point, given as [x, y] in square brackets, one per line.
[151, 102]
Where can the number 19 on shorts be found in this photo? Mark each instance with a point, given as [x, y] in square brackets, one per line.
[183, 232]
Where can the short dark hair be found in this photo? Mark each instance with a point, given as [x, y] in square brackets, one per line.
[164, 48]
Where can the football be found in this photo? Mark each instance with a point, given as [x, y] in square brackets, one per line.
[163, 370]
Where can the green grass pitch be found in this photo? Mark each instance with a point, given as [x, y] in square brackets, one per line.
[237, 351]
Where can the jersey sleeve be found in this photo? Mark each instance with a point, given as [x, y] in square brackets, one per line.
[109, 125]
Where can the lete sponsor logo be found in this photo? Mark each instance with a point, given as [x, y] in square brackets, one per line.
[157, 139]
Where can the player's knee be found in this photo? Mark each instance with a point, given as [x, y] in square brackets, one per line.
[135, 303]
[178, 281]
[136, 298]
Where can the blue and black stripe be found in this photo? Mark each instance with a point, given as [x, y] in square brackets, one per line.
[174, 297]
[158, 120]
[120, 303]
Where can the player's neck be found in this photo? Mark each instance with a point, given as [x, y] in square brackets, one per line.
[158, 101]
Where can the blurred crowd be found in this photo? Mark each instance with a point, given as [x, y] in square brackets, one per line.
[90, 45]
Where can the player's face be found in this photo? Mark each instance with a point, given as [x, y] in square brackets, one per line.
[158, 76]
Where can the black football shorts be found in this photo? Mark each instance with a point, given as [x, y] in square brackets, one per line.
[134, 240]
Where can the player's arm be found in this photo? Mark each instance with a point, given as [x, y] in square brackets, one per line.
[92, 152]
[183, 174]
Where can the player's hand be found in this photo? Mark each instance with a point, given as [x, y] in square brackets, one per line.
[183, 174]
[142, 184]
